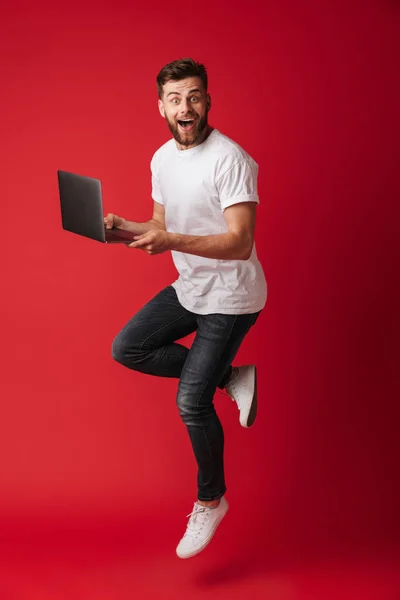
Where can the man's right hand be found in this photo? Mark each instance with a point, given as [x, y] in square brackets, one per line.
[112, 220]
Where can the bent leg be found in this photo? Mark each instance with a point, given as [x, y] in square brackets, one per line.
[147, 342]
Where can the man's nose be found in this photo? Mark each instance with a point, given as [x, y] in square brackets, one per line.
[185, 107]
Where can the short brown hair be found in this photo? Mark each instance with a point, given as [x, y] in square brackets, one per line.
[180, 69]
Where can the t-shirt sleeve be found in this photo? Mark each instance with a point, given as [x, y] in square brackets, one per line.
[238, 184]
[155, 184]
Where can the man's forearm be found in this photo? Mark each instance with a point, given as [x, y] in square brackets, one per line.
[140, 228]
[223, 246]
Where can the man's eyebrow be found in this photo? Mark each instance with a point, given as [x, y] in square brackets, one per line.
[179, 94]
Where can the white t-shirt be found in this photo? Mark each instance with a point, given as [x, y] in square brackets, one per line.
[196, 186]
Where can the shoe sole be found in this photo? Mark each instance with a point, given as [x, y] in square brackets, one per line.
[254, 403]
[207, 541]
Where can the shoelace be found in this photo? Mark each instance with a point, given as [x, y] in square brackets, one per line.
[232, 391]
[197, 519]
[233, 396]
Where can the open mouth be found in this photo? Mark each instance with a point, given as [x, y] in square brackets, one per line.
[186, 124]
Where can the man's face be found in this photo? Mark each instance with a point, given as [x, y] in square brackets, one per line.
[185, 105]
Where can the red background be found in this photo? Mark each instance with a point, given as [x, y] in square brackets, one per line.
[96, 470]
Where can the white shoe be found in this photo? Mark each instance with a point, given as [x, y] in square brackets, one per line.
[242, 388]
[201, 527]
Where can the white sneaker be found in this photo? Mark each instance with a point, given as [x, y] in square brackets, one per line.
[201, 527]
[242, 388]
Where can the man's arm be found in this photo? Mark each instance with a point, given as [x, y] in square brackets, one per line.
[157, 222]
[236, 244]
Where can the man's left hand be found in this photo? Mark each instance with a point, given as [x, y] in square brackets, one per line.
[154, 241]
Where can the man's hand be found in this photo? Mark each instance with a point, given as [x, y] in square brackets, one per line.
[154, 241]
[112, 220]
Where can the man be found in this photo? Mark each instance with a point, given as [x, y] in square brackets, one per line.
[205, 197]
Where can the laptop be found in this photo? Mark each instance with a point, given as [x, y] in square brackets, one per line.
[82, 209]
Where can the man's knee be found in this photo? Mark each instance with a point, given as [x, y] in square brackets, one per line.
[185, 408]
[119, 349]
[192, 406]
[127, 350]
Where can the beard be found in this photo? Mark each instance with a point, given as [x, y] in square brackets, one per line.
[186, 139]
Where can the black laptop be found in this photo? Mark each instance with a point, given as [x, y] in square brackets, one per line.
[82, 209]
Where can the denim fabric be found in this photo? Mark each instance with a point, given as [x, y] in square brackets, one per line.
[147, 344]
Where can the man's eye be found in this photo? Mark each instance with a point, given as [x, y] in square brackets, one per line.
[174, 100]
[194, 98]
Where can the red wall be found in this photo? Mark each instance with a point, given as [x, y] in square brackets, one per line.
[309, 90]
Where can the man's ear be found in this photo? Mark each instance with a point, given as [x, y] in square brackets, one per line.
[208, 101]
[161, 108]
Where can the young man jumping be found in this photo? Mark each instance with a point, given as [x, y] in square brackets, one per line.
[204, 188]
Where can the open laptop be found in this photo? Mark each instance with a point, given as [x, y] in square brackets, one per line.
[82, 209]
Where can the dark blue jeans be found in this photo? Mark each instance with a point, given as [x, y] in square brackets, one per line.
[147, 344]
